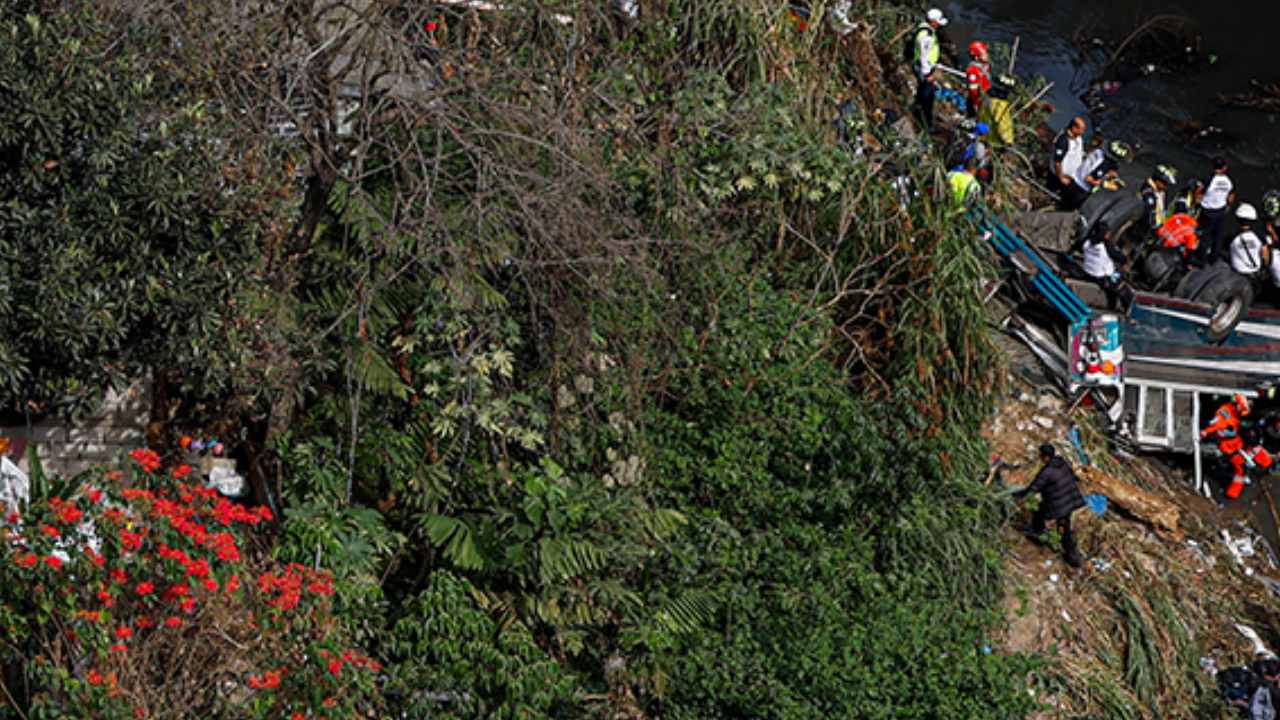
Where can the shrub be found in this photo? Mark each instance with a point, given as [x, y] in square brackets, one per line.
[135, 594]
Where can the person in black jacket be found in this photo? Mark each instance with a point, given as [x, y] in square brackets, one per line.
[1059, 497]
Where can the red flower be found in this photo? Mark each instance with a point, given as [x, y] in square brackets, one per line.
[335, 667]
[145, 588]
[198, 568]
[211, 585]
[95, 495]
[140, 713]
[269, 680]
[69, 514]
[97, 559]
[119, 647]
[181, 471]
[188, 604]
[264, 512]
[173, 622]
[94, 677]
[12, 518]
[232, 584]
[105, 597]
[149, 460]
[145, 622]
[115, 475]
[52, 562]
[431, 26]
[27, 561]
[297, 716]
[50, 530]
[130, 540]
[329, 702]
[115, 515]
[118, 575]
[123, 632]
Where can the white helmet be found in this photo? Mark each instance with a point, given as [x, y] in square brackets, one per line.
[1246, 212]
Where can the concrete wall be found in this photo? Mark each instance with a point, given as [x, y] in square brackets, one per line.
[65, 449]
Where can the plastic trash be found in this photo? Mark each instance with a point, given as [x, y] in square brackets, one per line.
[1097, 503]
[1252, 636]
[1053, 578]
[1100, 565]
[1208, 665]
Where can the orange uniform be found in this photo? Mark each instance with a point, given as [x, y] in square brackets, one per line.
[1226, 425]
[1179, 231]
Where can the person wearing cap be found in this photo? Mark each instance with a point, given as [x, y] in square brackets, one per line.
[963, 184]
[1246, 247]
[1059, 497]
[1155, 195]
[1068, 154]
[928, 51]
[1219, 196]
[977, 77]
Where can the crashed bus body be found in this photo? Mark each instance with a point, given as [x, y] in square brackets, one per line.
[1158, 367]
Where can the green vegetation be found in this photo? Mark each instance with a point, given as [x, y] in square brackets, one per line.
[605, 381]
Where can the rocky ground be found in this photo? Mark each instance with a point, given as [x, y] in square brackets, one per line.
[1137, 631]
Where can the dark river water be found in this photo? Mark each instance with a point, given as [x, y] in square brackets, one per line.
[1147, 109]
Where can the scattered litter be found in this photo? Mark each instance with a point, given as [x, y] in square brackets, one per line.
[1272, 585]
[1047, 402]
[1100, 565]
[1097, 503]
[1053, 578]
[1252, 636]
[1024, 426]
[1208, 665]
[1043, 422]
[1238, 550]
[1066, 616]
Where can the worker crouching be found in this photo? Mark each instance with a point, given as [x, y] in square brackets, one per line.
[1227, 429]
[1059, 497]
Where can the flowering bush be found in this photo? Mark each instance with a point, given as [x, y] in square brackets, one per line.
[138, 597]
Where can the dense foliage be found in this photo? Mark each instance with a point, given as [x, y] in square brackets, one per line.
[616, 387]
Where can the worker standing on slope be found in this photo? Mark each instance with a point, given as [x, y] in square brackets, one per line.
[1219, 195]
[927, 54]
[1226, 428]
[963, 184]
[1059, 497]
[977, 77]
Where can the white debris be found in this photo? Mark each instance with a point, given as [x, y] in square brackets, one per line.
[1043, 422]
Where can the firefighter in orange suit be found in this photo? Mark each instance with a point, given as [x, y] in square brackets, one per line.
[1226, 427]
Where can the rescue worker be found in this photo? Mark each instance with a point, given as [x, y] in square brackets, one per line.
[1068, 154]
[963, 184]
[1155, 195]
[1226, 428]
[1059, 497]
[927, 55]
[1180, 232]
[977, 77]
[1101, 258]
[1100, 167]
[1219, 196]
[1188, 201]
[1246, 248]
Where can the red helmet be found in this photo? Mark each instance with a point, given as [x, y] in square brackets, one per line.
[977, 48]
[1242, 403]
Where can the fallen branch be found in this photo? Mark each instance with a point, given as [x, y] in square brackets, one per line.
[1153, 510]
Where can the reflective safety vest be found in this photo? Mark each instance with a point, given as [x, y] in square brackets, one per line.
[963, 187]
[1179, 231]
[1160, 214]
[933, 57]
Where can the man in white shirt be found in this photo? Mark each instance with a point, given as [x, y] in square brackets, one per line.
[1246, 248]
[927, 55]
[1219, 195]
[1068, 155]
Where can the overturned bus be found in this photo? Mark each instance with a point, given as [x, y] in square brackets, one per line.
[1159, 363]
